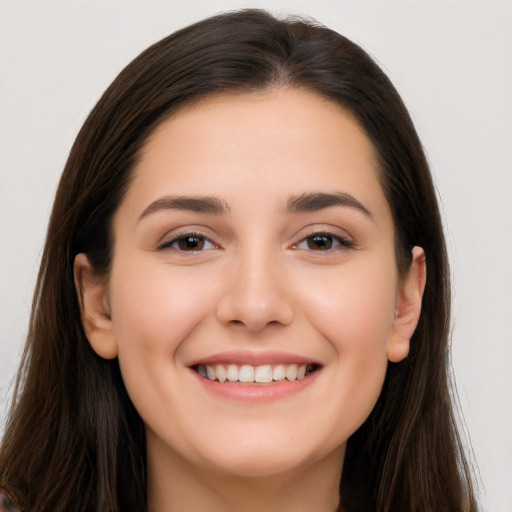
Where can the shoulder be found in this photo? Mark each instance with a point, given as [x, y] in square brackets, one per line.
[7, 502]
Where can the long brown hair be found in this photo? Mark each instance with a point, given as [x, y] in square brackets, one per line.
[74, 440]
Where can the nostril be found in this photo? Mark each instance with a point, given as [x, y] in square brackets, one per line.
[254, 307]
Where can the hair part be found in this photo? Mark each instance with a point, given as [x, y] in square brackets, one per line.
[88, 449]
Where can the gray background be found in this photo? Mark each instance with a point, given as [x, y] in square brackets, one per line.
[450, 60]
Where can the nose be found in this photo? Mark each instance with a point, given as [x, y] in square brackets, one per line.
[256, 295]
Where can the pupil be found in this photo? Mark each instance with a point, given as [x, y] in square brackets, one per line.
[320, 242]
[191, 243]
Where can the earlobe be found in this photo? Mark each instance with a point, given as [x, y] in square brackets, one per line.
[92, 291]
[408, 307]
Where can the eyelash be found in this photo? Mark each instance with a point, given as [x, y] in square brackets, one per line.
[342, 243]
[183, 237]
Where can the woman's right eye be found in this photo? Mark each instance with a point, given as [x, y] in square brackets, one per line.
[189, 242]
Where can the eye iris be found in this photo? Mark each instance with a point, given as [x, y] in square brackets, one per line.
[320, 242]
[191, 243]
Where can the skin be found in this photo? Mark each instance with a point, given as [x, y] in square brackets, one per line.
[259, 284]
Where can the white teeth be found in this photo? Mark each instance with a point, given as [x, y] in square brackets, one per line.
[278, 373]
[210, 373]
[232, 373]
[221, 373]
[246, 373]
[291, 372]
[263, 373]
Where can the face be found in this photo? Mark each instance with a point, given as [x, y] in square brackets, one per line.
[254, 299]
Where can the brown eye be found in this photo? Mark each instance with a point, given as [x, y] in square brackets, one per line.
[190, 243]
[324, 242]
[320, 242]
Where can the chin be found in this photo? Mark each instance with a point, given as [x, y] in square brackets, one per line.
[262, 467]
[260, 460]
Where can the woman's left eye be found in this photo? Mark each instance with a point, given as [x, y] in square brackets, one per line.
[188, 243]
[323, 242]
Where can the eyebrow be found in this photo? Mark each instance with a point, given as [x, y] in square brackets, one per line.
[200, 204]
[306, 202]
[315, 201]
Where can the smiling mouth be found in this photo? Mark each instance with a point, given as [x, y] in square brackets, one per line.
[248, 374]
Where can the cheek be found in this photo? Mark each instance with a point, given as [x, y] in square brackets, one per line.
[354, 313]
[153, 311]
[154, 308]
[354, 307]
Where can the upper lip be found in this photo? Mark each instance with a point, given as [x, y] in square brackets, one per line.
[254, 358]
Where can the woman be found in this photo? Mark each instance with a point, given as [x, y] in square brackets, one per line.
[243, 301]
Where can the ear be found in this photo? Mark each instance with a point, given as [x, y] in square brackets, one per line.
[408, 307]
[92, 291]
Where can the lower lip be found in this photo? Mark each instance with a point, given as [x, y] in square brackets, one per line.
[257, 393]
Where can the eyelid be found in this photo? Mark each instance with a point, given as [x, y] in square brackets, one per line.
[169, 241]
[344, 241]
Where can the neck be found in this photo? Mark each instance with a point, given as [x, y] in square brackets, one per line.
[174, 485]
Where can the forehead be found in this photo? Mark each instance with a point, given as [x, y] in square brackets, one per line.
[275, 143]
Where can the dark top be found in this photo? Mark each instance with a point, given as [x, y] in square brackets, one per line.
[7, 502]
